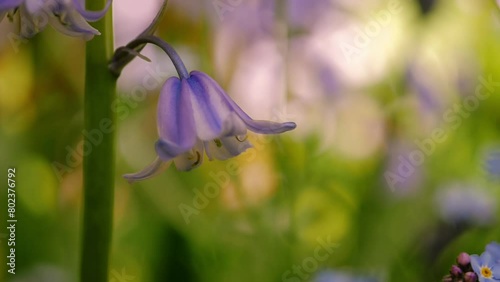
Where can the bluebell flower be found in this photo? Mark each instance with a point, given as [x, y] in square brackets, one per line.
[195, 116]
[66, 16]
[494, 249]
[486, 268]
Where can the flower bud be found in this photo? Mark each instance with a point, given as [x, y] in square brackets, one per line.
[463, 259]
[470, 277]
[455, 271]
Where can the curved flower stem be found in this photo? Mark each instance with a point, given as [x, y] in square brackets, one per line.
[98, 162]
[141, 40]
[123, 56]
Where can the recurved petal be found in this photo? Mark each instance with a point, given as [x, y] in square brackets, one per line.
[211, 112]
[176, 125]
[6, 5]
[226, 147]
[156, 167]
[268, 127]
[258, 126]
[73, 24]
[191, 159]
[91, 16]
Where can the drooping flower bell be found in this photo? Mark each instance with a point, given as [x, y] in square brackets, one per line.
[195, 116]
[66, 16]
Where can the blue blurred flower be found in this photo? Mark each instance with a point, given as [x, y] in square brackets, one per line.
[461, 203]
[196, 115]
[486, 268]
[426, 90]
[66, 16]
[339, 276]
[494, 249]
[493, 164]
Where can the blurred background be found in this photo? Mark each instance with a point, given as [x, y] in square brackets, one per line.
[392, 171]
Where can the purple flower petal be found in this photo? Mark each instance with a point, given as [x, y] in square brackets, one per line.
[494, 249]
[475, 263]
[73, 24]
[168, 150]
[33, 7]
[233, 125]
[6, 5]
[268, 127]
[62, 15]
[210, 111]
[91, 16]
[155, 168]
[258, 126]
[496, 271]
[29, 27]
[176, 125]
[487, 259]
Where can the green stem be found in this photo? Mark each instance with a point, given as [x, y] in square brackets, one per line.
[99, 152]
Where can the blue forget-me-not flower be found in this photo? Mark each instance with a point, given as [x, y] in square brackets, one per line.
[487, 266]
